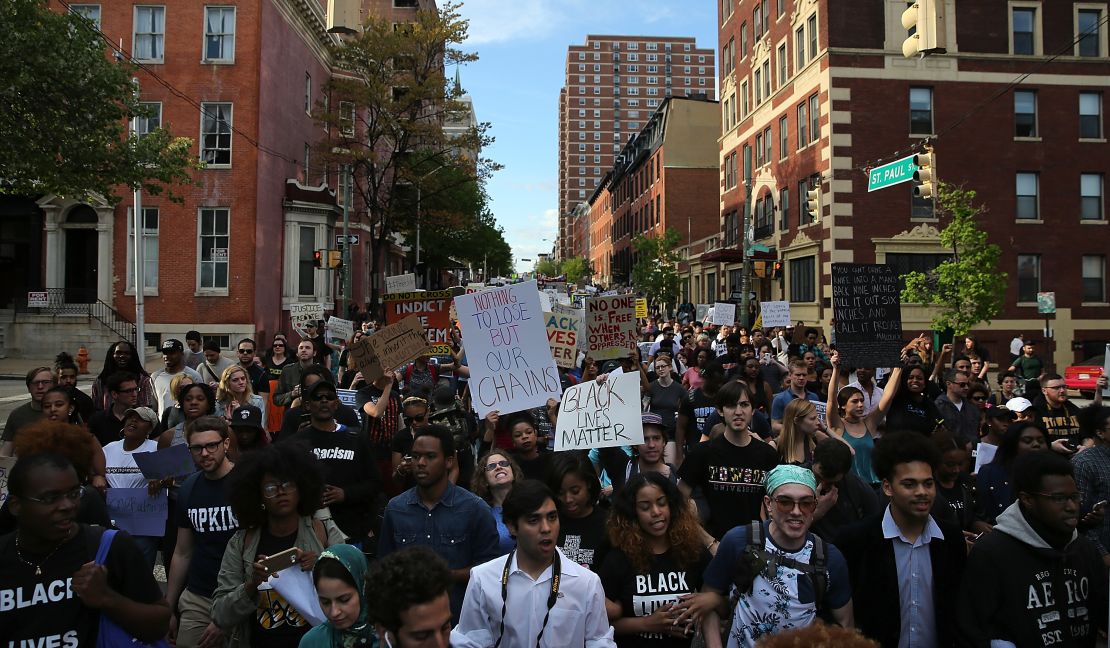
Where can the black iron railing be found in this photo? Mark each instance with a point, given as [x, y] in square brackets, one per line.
[59, 301]
[112, 318]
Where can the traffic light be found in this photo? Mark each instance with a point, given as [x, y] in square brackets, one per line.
[813, 204]
[335, 258]
[776, 273]
[926, 18]
[924, 175]
[319, 257]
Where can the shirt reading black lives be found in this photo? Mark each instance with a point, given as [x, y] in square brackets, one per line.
[641, 594]
[44, 610]
[732, 478]
[202, 506]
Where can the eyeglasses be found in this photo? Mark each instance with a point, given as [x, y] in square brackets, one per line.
[787, 504]
[270, 491]
[1056, 387]
[41, 383]
[200, 448]
[50, 499]
[494, 465]
[1061, 498]
[246, 350]
[330, 396]
[979, 398]
[961, 384]
[132, 390]
[419, 418]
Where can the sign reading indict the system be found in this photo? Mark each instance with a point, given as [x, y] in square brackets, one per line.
[893, 173]
[434, 309]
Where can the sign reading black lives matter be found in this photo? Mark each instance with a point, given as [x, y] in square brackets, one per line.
[868, 314]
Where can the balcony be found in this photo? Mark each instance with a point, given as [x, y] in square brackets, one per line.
[764, 231]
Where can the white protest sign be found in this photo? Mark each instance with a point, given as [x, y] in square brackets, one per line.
[545, 301]
[296, 587]
[602, 415]
[301, 314]
[775, 313]
[724, 313]
[511, 368]
[701, 312]
[611, 326]
[400, 283]
[340, 329]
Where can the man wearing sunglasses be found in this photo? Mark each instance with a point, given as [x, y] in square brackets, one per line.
[960, 415]
[248, 359]
[785, 575]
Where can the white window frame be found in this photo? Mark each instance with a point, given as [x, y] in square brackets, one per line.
[150, 253]
[1038, 32]
[347, 121]
[212, 290]
[1100, 136]
[1098, 260]
[1036, 197]
[226, 37]
[85, 9]
[1100, 179]
[142, 124]
[217, 134]
[158, 38]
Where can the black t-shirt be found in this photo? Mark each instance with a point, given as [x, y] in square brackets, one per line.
[297, 416]
[277, 624]
[44, 610]
[665, 402]
[202, 506]
[960, 500]
[347, 463]
[106, 427]
[732, 479]
[534, 468]
[1061, 423]
[585, 540]
[641, 593]
[907, 415]
[697, 407]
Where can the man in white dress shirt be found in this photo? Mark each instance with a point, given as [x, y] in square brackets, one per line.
[547, 612]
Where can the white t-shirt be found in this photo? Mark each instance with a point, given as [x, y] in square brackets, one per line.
[161, 380]
[121, 467]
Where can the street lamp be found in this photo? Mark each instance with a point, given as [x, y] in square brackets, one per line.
[419, 191]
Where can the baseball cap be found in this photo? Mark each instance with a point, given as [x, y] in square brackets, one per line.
[145, 413]
[998, 412]
[246, 416]
[171, 345]
[318, 386]
[651, 418]
[1018, 404]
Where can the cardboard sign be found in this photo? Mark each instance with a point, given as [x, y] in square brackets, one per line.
[434, 310]
[602, 415]
[6, 465]
[340, 329]
[775, 313]
[724, 313]
[365, 360]
[611, 326]
[562, 337]
[400, 283]
[136, 512]
[868, 312]
[398, 344]
[167, 463]
[641, 308]
[511, 368]
[301, 314]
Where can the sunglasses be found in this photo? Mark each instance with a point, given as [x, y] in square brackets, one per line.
[419, 419]
[246, 350]
[325, 397]
[494, 465]
[787, 504]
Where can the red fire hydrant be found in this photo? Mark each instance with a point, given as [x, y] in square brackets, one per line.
[83, 360]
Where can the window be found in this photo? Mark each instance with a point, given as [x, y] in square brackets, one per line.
[90, 12]
[214, 237]
[743, 40]
[306, 265]
[1090, 191]
[800, 48]
[814, 118]
[904, 263]
[150, 34]
[803, 282]
[150, 249]
[784, 209]
[745, 100]
[308, 93]
[215, 134]
[780, 58]
[803, 124]
[1025, 113]
[219, 34]
[1088, 28]
[757, 21]
[1022, 21]
[759, 149]
[767, 79]
[921, 208]
[1027, 208]
[767, 146]
[347, 118]
[1094, 278]
[406, 4]
[1029, 277]
[1090, 115]
[152, 121]
[784, 138]
[921, 111]
[811, 28]
[307, 172]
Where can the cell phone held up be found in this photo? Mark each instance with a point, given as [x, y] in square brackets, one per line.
[280, 561]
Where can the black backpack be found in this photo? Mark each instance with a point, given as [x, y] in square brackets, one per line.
[816, 569]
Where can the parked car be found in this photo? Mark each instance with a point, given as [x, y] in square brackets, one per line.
[1083, 376]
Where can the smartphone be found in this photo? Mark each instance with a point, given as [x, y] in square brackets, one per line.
[1099, 506]
[281, 560]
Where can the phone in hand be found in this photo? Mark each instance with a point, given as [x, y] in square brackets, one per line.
[281, 560]
[1099, 506]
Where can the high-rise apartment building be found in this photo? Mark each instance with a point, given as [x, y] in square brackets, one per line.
[613, 86]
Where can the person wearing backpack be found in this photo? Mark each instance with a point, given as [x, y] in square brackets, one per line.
[904, 564]
[776, 574]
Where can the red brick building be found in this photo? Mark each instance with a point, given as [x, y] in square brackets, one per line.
[820, 91]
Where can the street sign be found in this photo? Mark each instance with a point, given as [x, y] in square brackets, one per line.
[892, 173]
[353, 238]
[1046, 303]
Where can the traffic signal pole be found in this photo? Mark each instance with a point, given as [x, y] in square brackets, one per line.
[746, 271]
[345, 271]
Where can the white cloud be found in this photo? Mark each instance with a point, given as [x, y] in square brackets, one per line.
[497, 21]
[528, 241]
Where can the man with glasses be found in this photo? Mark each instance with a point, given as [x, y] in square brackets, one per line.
[960, 415]
[785, 576]
[259, 377]
[1034, 581]
[39, 381]
[205, 524]
[52, 593]
[905, 565]
[107, 425]
[1061, 416]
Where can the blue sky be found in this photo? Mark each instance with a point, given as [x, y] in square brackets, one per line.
[522, 48]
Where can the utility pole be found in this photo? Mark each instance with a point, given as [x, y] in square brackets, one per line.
[137, 256]
[419, 217]
[345, 270]
[745, 272]
[689, 263]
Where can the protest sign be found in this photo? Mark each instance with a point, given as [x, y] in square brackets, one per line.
[545, 301]
[821, 412]
[580, 313]
[6, 465]
[511, 367]
[562, 337]
[868, 314]
[724, 314]
[365, 360]
[641, 308]
[434, 309]
[701, 312]
[400, 283]
[174, 461]
[340, 329]
[775, 313]
[593, 415]
[300, 315]
[611, 326]
[398, 344]
[136, 512]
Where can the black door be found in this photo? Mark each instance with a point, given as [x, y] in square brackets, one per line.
[81, 261]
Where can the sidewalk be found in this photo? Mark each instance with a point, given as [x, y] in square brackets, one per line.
[17, 368]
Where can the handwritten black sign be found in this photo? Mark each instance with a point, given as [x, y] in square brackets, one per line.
[868, 314]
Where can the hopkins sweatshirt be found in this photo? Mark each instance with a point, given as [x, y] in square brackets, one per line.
[1017, 588]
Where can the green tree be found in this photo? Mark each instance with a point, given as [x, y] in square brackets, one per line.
[968, 288]
[66, 106]
[655, 270]
[548, 268]
[577, 269]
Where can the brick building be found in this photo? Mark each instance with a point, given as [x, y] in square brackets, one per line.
[613, 85]
[820, 91]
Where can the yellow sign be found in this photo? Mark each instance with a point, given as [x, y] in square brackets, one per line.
[641, 308]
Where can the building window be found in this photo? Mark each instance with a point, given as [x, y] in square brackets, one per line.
[1089, 30]
[803, 124]
[152, 121]
[784, 137]
[150, 34]
[150, 249]
[1094, 278]
[767, 145]
[745, 101]
[784, 209]
[214, 234]
[811, 28]
[1025, 113]
[757, 81]
[814, 118]
[90, 12]
[803, 280]
[767, 79]
[759, 149]
[1023, 25]
[306, 262]
[308, 93]
[1090, 115]
[347, 118]
[800, 48]
[921, 111]
[1090, 191]
[1029, 277]
[905, 263]
[219, 34]
[803, 217]
[1027, 208]
[780, 58]
[215, 134]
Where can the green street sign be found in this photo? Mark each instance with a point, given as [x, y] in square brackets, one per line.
[895, 172]
[758, 247]
[1046, 303]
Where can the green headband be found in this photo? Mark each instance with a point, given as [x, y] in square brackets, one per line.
[786, 474]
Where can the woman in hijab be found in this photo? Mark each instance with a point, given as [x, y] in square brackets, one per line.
[339, 579]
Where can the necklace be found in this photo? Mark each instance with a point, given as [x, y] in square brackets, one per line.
[38, 567]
